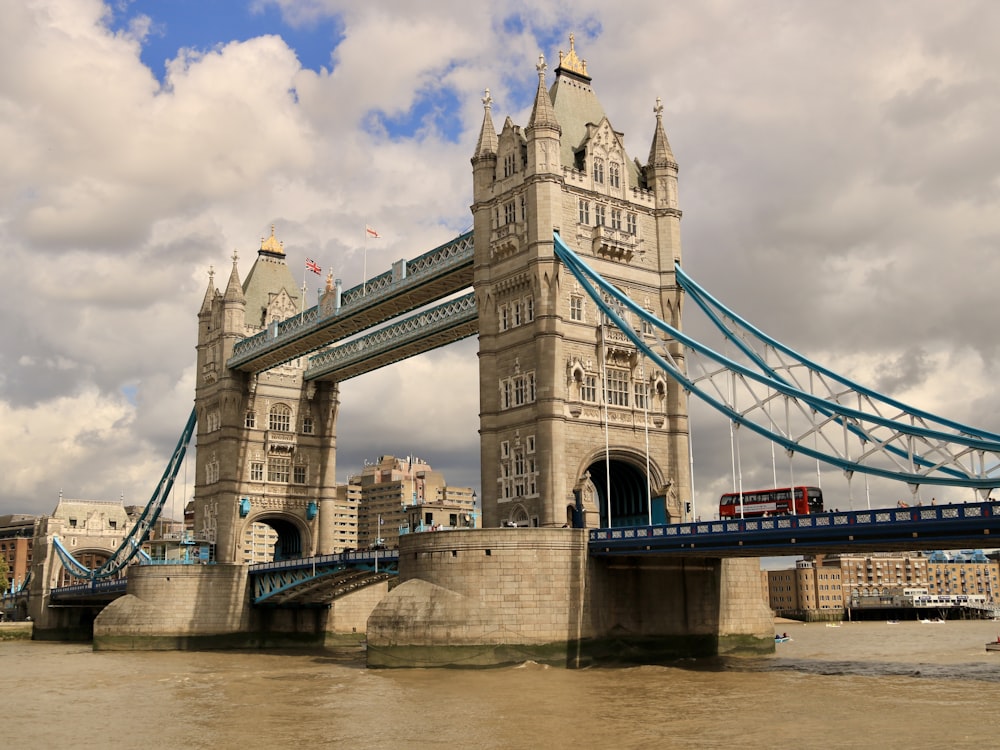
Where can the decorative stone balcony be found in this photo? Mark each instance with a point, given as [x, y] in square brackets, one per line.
[279, 441]
[506, 240]
[614, 244]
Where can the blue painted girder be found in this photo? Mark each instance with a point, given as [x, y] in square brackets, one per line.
[908, 528]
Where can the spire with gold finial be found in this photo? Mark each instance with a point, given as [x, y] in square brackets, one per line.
[272, 246]
[570, 63]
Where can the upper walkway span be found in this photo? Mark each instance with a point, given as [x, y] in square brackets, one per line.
[408, 286]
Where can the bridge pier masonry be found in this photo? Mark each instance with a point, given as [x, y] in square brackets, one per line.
[507, 595]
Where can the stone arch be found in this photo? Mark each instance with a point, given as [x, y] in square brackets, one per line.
[630, 489]
[294, 537]
[517, 516]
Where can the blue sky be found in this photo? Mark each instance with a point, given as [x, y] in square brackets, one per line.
[204, 24]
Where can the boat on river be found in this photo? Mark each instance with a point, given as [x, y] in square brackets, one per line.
[783, 638]
[993, 645]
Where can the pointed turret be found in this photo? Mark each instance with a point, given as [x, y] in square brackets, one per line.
[234, 304]
[661, 171]
[234, 289]
[487, 145]
[660, 154]
[542, 113]
[210, 292]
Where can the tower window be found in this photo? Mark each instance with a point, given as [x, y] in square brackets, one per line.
[509, 165]
[307, 425]
[250, 421]
[278, 469]
[599, 170]
[598, 215]
[616, 218]
[280, 418]
[614, 174]
[616, 391]
[509, 213]
[576, 308]
[630, 223]
[584, 211]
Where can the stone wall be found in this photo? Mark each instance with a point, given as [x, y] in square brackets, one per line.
[482, 597]
[496, 596]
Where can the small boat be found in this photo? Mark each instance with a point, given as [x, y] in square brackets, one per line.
[783, 638]
[935, 621]
[892, 622]
[994, 645]
[833, 624]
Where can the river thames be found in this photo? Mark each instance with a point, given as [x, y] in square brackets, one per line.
[863, 685]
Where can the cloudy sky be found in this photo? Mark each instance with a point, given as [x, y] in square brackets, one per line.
[840, 182]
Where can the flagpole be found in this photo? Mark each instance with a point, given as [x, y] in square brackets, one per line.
[364, 273]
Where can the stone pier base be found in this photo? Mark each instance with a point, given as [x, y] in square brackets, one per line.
[171, 607]
[498, 596]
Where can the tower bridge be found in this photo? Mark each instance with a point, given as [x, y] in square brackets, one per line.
[575, 266]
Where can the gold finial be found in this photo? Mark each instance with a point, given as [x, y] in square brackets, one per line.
[569, 61]
[329, 281]
[271, 244]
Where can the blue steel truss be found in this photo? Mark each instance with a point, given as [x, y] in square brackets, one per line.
[409, 285]
[131, 545]
[429, 329]
[911, 528]
[316, 581]
[802, 407]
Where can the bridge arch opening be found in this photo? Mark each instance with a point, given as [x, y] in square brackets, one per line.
[268, 538]
[631, 493]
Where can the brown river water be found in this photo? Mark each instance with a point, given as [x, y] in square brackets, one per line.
[862, 685]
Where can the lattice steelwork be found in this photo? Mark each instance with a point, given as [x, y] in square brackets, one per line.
[429, 329]
[408, 286]
[797, 404]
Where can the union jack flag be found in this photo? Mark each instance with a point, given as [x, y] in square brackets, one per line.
[313, 266]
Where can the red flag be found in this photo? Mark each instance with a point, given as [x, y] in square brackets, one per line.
[371, 232]
[313, 266]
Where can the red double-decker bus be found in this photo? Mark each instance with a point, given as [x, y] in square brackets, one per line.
[774, 502]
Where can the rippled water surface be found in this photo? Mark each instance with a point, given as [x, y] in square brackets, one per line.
[867, 685]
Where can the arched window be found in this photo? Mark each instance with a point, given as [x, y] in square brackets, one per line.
[614, 174]
[280, 418]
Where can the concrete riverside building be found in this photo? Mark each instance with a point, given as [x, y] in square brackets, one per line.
[830, 585]
[405, 495]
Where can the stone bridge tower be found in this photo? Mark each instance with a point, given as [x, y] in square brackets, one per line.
[569, 408]
[266, 441]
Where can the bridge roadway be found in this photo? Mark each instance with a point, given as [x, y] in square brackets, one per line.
[300, 582]
[316, 581]
[923, 527]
